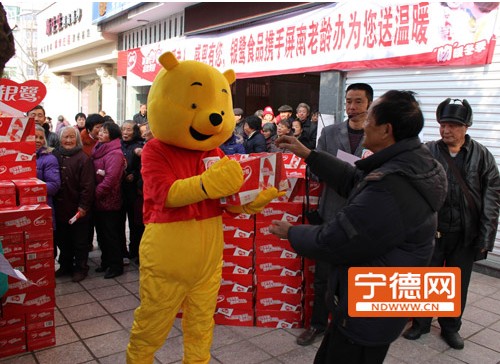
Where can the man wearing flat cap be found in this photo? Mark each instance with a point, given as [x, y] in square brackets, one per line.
[468, 220]
[238, 129]
[285, 112]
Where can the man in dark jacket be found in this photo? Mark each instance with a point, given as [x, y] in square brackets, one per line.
[389, 220]
[142, 116]
[468, 220]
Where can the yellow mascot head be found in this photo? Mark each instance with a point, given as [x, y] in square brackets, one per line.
[190, 104]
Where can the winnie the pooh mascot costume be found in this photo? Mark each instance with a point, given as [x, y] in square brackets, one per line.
[190, 114]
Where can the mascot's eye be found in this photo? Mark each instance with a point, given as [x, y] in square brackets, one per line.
[222, 113]
[224, 90]
[193, 106]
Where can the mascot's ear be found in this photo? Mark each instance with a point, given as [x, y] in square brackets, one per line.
[230, 76]
[168, 60]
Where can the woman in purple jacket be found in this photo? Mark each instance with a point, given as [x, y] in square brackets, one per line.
[47, 170]
[109, 166]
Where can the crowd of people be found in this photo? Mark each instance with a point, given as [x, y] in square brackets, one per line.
[403, 204]
[93, 174]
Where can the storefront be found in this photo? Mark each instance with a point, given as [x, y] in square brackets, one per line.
[81, 61]
[430, 48]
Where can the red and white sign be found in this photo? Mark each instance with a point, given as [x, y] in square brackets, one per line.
[348, 35]
[17, 129]
[22, 97]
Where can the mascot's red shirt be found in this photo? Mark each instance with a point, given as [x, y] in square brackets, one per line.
[162, 165]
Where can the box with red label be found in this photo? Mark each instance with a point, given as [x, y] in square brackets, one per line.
[235, 300]
[279, 284]
[39, 265]
[285, 211]
[251, 184]
[38, 240]
[40, 316]
[17, 151]
[233, 264]
[295, 167]
[236, 283]
[39, 254]
[278, 266]
[16, 260]
[13, 243]
[272, 171]
[41, 338]
[11, 321]
[7, 191]
[29, 301]
[37, 245]
[238, 228]
[41, 279]
[232, 317]
[30, 191]
[278, 301]
[278, 319]
[27, 217]
[40, 319]
[274, 248]
[242, 247]
[17, 129]
[13, 344]
[20, 169]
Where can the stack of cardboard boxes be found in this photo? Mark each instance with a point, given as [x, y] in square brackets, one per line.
[27, 308]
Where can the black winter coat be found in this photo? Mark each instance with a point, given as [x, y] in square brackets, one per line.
[390, 220]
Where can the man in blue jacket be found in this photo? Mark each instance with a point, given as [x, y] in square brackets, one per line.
[389, 220]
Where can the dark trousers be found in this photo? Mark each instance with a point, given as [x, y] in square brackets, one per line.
[450, 252]
[73, 246]
[336, 348]
[319, 317]
[107, 226]
[136, 228]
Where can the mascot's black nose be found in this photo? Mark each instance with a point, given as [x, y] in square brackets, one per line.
[215, 119]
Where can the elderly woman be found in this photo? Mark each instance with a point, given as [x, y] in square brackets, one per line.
[269, 130]
[109, 166]
[47, 170]
[73, 205]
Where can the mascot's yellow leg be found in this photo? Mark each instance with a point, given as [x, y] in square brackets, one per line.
[181, 264]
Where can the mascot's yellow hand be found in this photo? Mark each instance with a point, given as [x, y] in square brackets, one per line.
[223, 178]
[262, 199]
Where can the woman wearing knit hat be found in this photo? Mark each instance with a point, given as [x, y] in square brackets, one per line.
[268, 115]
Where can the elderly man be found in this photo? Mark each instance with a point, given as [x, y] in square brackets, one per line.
[389, 220]
[468, 220]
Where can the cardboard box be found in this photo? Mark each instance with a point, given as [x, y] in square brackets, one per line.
[41, 338]
[238, 247]
[39, 254]
[39, 265]
[279, 284]
[40, 316]
[30, 191]
[13, 344]
[278, 267]
[8, 200]
[285, 211]
[17, 129]
[278, 319]
[274, 248]
[41, 279]
[232, 317]
[20, 169]
[27, 218]
[238, 228]
[272, 171]
[10, 249]
[17, 151]
[31, 300]
[7, 194]
[16, 260]
[38, 235]
[234, 264]
[11, 321]
[235, 300]
[295, 167]
[236, 283]
[278, 301]
[251, 185]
